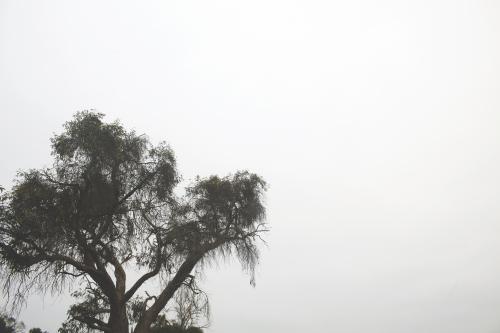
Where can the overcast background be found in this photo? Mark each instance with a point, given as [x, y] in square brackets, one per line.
[375, 123]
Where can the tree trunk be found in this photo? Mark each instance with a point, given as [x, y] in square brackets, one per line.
[118, 320]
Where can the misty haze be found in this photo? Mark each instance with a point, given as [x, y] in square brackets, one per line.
[237, 167]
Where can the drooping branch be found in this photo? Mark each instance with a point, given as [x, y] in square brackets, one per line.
[93, 323]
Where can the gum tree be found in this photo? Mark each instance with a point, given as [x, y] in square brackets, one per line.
[106, 206]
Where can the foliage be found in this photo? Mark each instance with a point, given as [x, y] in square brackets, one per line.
[10, 325]
[36, 330]
[108, 205]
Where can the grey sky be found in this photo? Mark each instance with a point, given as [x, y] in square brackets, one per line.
[376, 124]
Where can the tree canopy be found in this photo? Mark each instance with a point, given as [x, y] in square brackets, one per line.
[109, 204]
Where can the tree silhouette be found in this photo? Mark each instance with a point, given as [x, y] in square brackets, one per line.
[107, 205]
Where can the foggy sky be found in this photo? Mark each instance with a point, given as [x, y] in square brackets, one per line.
[375, 123]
